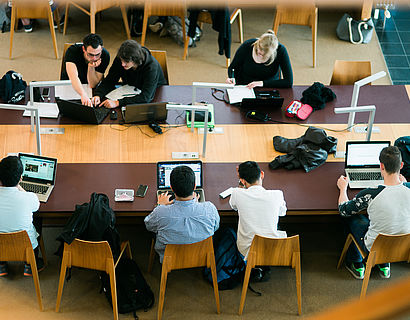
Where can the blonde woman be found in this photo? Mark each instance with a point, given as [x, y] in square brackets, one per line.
[258, 62]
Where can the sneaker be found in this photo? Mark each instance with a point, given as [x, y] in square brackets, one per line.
[156, 26]
[4, 270]
[384, 270]
[28, 28]
[356, 269]
[40, 267]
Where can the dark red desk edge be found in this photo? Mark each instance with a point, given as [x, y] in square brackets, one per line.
[305, 193]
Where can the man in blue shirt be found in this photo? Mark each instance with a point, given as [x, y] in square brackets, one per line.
[184, 220]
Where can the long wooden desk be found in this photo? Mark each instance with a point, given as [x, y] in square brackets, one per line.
[102, 158]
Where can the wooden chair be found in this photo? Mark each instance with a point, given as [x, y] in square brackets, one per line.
[273, 252]
[205, 17]
[95, 7]
[161, 57]
[66, 46]
[16, 246]
[183, 256]
[348, 72]
[385, 249]
[32, 10]
[305, 15]
[161, 9]
[91, 255]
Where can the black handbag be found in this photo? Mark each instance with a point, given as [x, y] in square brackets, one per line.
[354, 31]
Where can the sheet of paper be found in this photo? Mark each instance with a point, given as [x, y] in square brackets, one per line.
[68, 93]
[123, 91]
[45, 110]
[236, 94]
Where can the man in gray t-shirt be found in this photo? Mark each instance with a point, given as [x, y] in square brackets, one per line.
[388, 208]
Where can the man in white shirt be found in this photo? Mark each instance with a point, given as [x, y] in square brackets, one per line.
[16, 208]
[258, 209]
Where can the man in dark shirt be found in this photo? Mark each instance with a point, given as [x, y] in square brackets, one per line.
[86, 63]
[136, 67]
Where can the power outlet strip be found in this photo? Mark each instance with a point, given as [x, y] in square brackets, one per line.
[219, 130]
[363, 129]
[185, 155]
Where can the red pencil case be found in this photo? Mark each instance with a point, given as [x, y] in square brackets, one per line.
[299, 110]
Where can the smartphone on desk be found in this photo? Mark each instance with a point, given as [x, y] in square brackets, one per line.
[142, 190]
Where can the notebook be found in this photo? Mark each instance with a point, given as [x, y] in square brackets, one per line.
[75, 110]
[155, 111]
[39, 175]
[164, 170]
[362, 165]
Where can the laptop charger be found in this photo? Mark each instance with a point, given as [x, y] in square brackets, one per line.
[257, 115]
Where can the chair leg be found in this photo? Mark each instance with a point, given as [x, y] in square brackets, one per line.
[57, 18]
[64, 264]
[92, 22]
[52, 31]
[43, 250]
[314, 37]
[66, 17]
[276, 22]
[111, 273]
[32, 260]
[240, 25]
[296, 257]
[228, 62]
[144, 28]
[12, 26]
[125, 19]
[345, 248]
[151, 256]
[186, 38]
[369, 266]
[211, 257]
[164, 275]
[245, 284]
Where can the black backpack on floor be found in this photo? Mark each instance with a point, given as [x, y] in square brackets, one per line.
[403, 143]
[133, 291]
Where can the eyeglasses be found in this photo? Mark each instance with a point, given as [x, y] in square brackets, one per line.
[91, 55]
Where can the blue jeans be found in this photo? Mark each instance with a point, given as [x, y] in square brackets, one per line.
[357, 225]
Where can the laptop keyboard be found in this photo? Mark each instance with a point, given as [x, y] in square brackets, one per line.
[173, 194]
[34, 188]
[361, 176]
[101, 113]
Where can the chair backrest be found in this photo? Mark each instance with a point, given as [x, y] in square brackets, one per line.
[274, 251]
[89, 254]
[348, 72]
[14, 246]
[302, 14]
[183, 256]
[161, 57]
[391, 248]
[66, 46]
[39, 9]
[163, 8]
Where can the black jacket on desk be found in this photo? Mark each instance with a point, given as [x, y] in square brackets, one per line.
[146, 77]
[246, 70]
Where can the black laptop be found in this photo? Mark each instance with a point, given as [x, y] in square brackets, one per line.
[75, 110]
[145, 112]
[263, 99]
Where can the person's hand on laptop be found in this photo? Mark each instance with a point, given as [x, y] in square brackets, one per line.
[110, 104]
[342, 183]
[163, 199]
[85, 100]
[95, 100]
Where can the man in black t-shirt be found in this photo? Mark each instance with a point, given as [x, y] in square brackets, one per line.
[86, 63]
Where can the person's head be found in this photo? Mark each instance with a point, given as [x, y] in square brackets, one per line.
[250, 172]
[11, 170]
[183, 181]
[266, 47]
[390, 158]
[131, 54]
[92, 47]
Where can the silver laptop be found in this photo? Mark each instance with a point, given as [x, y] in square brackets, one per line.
[145, 112]
[39, 175]
[362, 163]
[164, 170]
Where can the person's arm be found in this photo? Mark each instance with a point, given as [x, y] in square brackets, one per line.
[282, 207]
[109, 82]
[72, 73]
[232, 200]
[96, 70]
[286, 68]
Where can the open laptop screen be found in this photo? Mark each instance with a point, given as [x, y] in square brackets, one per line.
[164, 170]
[364, 154]
[38, 169]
